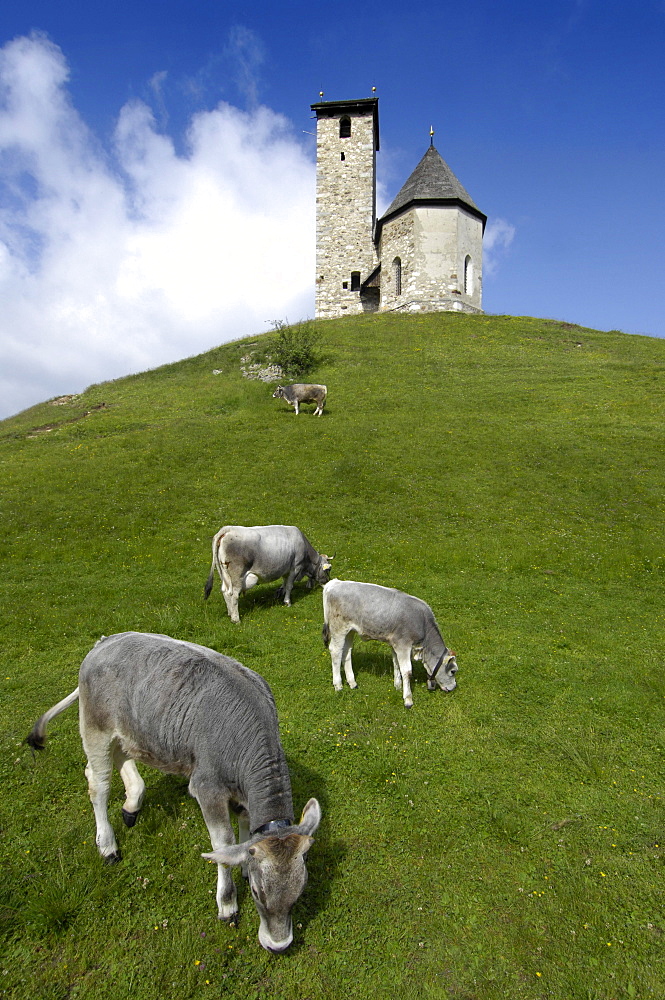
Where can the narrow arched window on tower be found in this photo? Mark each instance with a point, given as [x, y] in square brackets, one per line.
[397, 273]
[344, 127]
[468, 276]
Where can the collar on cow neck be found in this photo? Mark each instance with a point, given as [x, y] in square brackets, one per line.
[272, 826]
[438, 666]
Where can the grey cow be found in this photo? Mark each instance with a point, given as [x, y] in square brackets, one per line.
[301, 392]
[403, 621]
[244, 555]
[189, 710]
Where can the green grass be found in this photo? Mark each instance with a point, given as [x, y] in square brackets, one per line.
[503, 841]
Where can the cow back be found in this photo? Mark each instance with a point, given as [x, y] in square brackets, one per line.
[376, 611]
[184, 708]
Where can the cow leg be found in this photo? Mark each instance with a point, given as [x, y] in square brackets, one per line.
[243, 835]
[97, 746]
[231, 598]
[226, 584]
[232, 588]
[397, 673]
[336, 648]
[403, 657]
[134, 786]
[215, 809]
[340, 653]
[346, 660]
[295, 407]
[285, 590]
[235, 588]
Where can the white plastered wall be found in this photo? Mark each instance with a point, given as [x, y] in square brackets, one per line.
[432, 243]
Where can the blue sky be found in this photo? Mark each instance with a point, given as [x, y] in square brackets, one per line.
[156, 172]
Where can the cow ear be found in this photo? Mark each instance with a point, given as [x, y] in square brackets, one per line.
[259, 851]
[305, 844]
[231, 854]
[311, 817]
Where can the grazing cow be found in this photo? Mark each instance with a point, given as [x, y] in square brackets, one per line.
[303, 393]
[391, 616]
[243, 556]
[188, 710]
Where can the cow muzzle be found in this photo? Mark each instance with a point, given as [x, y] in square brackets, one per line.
[276, 947]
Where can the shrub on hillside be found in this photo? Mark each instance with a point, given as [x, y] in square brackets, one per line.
[295, 348]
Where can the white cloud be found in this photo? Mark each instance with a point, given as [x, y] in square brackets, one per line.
[499, 234]
[245, 49]
[113, 261]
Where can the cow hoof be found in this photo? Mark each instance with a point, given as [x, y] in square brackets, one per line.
[353, 684]
[231, 920]
[338, 687]
[112, 859]
[129, 819]
[408, 704]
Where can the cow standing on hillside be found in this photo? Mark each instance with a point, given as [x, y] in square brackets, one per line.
[391, 616]
[301, 392]
[189, 710]
[244, 555]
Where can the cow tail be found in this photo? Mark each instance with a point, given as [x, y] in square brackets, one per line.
[211, 578]
[209, 582]
[325, 635]
[36, 738]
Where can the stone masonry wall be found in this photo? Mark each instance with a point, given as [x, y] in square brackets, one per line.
[345, 212]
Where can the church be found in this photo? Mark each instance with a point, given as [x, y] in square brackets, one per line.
[425, 252]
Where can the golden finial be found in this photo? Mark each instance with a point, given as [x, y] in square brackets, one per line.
[321, 94]
[431, 135]
[374, 90]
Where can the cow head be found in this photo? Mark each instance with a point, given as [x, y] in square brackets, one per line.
[445, 676]
[277, 874]
[322, 569]
[279, 391]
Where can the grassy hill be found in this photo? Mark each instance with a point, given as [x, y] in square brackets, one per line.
[503, 841]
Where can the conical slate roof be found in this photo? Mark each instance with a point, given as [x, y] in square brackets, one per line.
[432, 183]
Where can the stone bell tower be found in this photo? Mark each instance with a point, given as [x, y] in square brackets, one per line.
[347, 139]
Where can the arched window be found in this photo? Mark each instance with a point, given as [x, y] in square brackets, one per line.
[397, 273]
[344, 127]
[468, 276]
